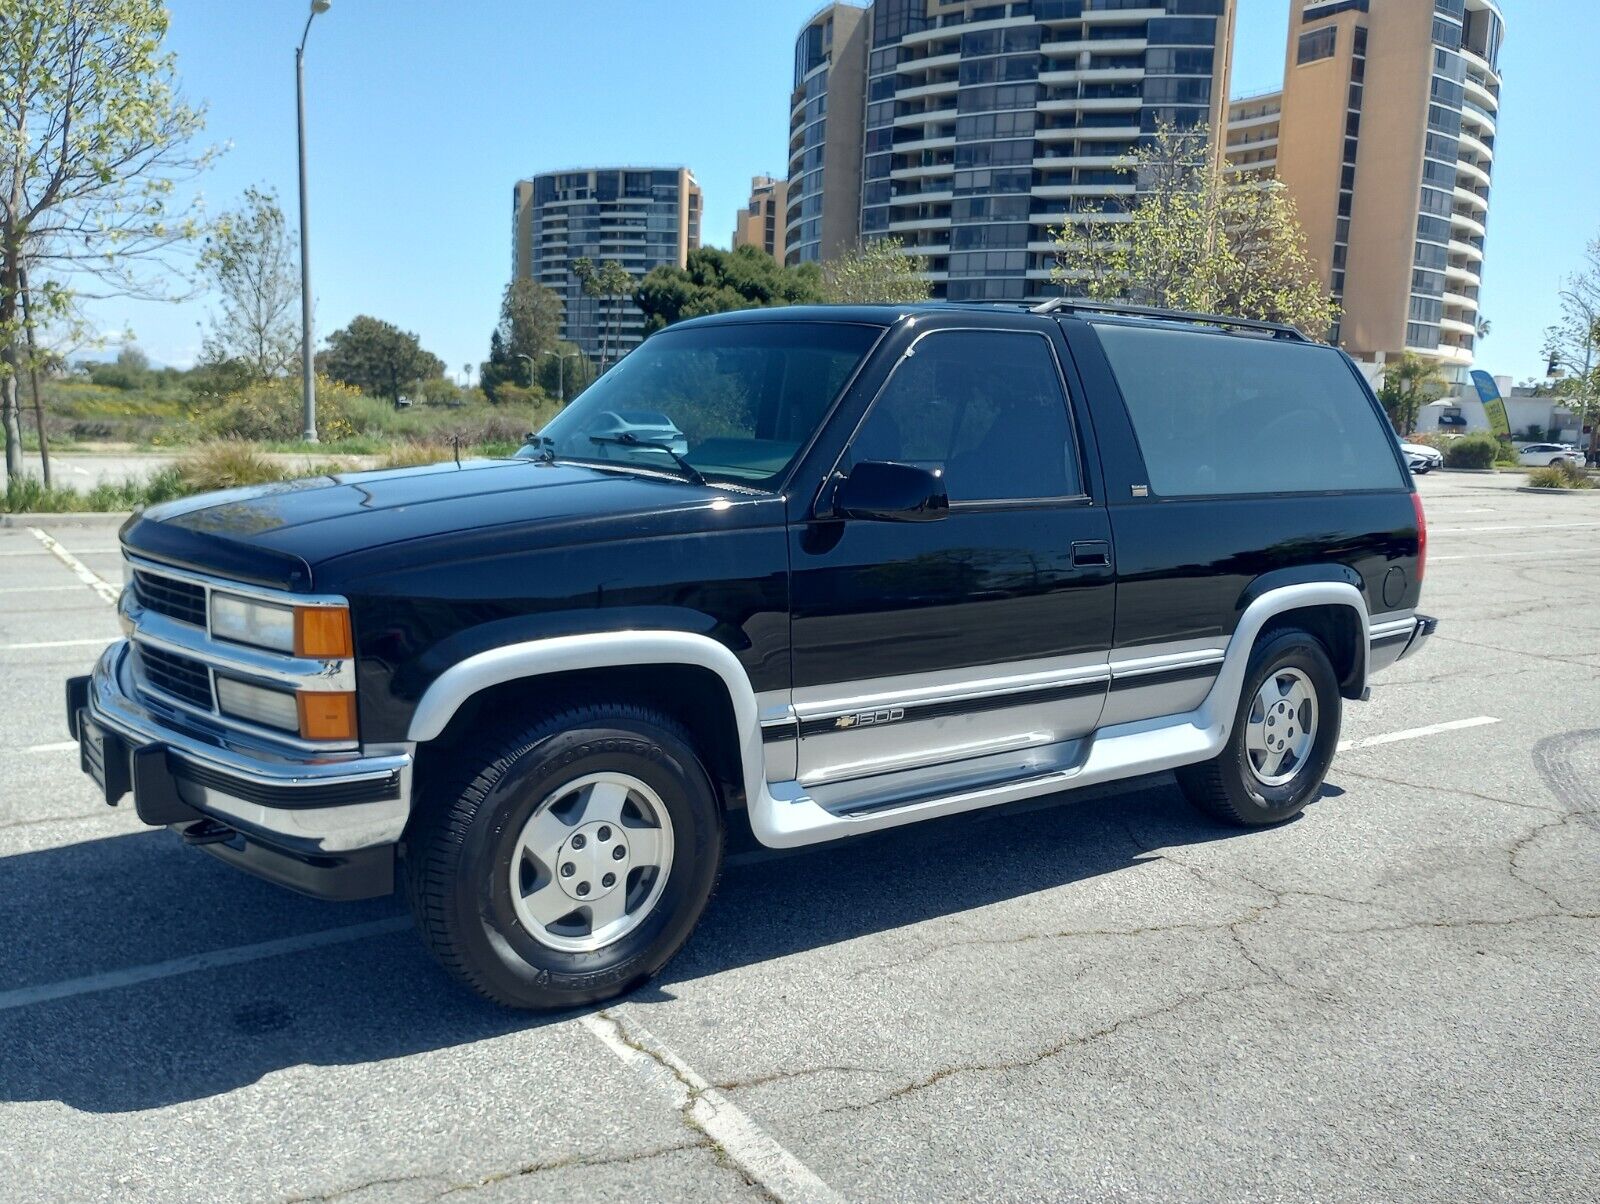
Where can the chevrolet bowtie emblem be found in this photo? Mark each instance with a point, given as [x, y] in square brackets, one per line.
[845, 721]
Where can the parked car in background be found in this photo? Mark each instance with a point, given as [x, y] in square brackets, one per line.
[1421, 458]
[1541, 455]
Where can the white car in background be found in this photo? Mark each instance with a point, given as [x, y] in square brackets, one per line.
[1422, 458]
[1541, 455]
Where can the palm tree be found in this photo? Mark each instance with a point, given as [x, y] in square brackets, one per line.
[1409, 383]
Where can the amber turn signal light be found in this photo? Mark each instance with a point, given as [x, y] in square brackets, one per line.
[326, 716]
[322, 632]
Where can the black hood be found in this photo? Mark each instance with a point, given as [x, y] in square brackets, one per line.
[286, 534]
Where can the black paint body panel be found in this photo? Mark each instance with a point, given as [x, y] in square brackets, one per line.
[443, 562]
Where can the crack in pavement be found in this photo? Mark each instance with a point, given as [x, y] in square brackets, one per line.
[1054, 1050]
[691, 1092]
[577, 1160]
[530, 1168]
[1391, 780]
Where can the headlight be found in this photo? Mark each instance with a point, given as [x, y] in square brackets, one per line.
[256, 704]
[317, 632]
[257, 623]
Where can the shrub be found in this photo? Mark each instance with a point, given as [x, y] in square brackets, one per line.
[28, 495]
[1505, 452]
[519, 395]
[1565, 475]
[226, 464]
[410, 455]
[272, 410]
[1472, 451]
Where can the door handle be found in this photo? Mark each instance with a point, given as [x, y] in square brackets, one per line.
[1091, 554]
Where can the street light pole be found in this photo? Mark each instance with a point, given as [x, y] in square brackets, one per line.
[308, 371]
[561, 374]
[529, 358]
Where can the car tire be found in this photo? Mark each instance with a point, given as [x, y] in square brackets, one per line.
[1272, 766]
[533, 825]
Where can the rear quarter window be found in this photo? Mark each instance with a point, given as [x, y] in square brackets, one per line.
[1221, 414]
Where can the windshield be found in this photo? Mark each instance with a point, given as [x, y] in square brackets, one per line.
[732, 403]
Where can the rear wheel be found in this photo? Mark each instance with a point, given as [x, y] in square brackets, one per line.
[573, 862]
[1283, 738]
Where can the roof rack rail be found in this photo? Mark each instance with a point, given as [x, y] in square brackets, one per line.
[1277, 330]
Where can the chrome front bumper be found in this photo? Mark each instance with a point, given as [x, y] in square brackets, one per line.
[303, 805]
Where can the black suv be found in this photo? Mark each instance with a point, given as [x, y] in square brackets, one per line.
[823, 571]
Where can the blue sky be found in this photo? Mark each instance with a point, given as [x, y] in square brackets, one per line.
[424, 112]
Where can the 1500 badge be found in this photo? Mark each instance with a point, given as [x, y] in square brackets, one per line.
[871, 718]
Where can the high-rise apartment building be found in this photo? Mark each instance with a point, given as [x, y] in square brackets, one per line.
[1384, 134]
[825, 111]
[986, 122]
[640, 217]
[761, 222]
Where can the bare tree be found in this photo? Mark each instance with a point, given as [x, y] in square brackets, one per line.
[1190, 238]
[878, 270]
[94, 142]
[249, 262]
[1573, 344]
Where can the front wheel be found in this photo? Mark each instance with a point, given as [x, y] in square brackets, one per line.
[573, 862]
[1283, 739]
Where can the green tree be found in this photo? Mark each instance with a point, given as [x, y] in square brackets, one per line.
[378, 358]
[1573, 345]
[1409, 383]
[249, 262]
[530, 324]
[878, 270]
[565, 371]
[530, 318]
[500, 369]
[94, 142]
[1190, 238]
[715, 281]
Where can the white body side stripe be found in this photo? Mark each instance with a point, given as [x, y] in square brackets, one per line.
[783, 815]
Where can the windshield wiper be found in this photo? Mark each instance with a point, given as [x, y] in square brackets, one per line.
[628, 439]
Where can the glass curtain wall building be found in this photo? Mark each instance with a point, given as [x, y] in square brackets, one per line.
[640, 217]
[985, 123]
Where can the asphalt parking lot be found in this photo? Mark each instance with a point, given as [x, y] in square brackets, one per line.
[1097, 997]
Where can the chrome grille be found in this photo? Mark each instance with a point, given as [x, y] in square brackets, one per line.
[181, 600]
[179, 676]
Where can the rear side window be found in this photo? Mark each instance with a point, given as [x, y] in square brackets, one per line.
[1227, 415]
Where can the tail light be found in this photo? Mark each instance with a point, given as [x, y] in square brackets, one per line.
[1422, 535]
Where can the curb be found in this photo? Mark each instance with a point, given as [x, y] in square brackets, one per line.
[1562, 492]
[66, 518]
[1480, 472]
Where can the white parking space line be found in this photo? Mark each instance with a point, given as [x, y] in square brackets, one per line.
[100, 640]
[750, 1147]
[107, 591]
[38, 589]
[1557, 557]
[43, 552]
[1416, 733]
[22, 997]
[1524, 527]
[60, 746]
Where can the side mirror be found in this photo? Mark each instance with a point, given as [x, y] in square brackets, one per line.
[890, 492]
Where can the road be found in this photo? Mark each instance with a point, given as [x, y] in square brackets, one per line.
[1085, 998]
